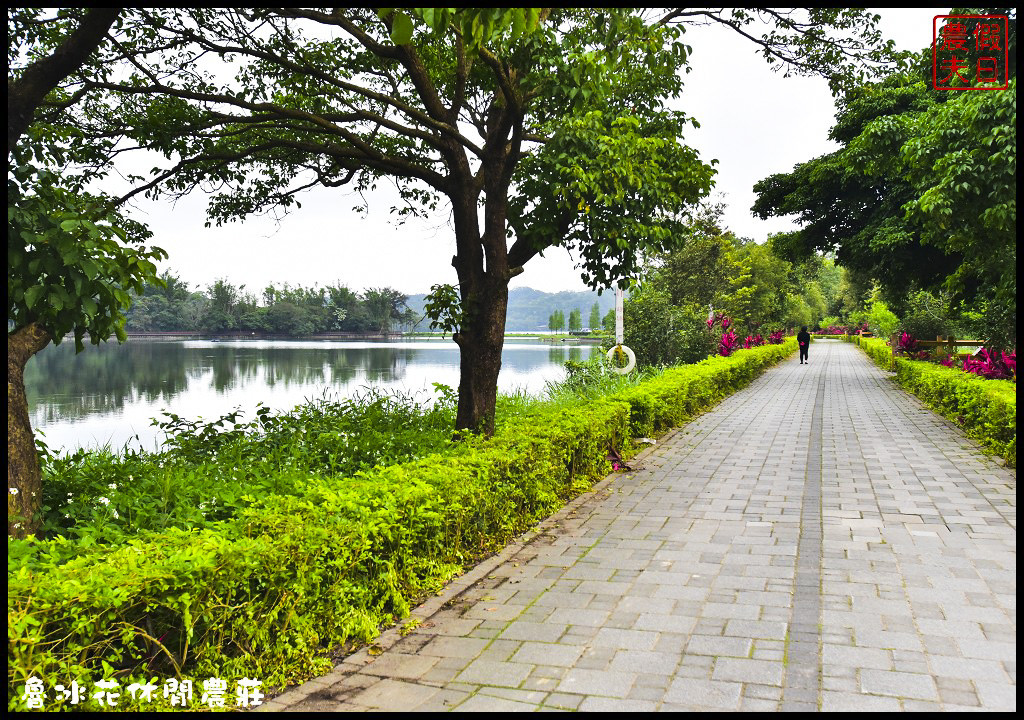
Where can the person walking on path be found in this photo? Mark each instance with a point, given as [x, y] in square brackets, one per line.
[804, 339]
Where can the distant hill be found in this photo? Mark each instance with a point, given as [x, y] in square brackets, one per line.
[529, 309]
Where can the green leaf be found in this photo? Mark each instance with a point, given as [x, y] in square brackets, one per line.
[401, 29]
[33, 294]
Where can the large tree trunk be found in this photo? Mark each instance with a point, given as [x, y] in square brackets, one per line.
[480, 341]
[24, 476]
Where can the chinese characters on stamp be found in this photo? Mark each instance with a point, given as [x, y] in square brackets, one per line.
[969, 52]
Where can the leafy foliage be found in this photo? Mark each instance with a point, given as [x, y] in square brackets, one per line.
[882, 321]
[71, 264]
[281, 309]
[575, 320]
[210, 470]
[660, 333]
[444, 308]
[992, 366]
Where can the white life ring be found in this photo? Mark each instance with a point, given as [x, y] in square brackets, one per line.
[629, 355]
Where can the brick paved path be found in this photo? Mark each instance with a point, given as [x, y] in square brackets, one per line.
[820, 540]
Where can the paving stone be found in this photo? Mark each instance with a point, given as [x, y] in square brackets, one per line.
[996, 695]
[704, 693]
[459, 647]
[857, 657]
[644, 662]
[560, 655]
[856, 703]
[970, 668]
[746, 670]
[494, 672]
[898, 684]
[489, 703]
[626, 639]
[597, 682]
[397, 665]
[600, 704]
[393, 695]
[718, 645]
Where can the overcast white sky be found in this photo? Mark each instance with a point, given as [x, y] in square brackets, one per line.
[753, 121]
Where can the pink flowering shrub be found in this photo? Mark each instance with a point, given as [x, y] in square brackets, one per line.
[988, 365]
[1010, 361]
[753, 341]
[727, 344]
[776, 337]
[907, 343]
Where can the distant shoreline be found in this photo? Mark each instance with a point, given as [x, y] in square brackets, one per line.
[172, 335]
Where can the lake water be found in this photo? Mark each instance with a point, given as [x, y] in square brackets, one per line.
[109, 393]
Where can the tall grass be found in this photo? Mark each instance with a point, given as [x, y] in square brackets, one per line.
[208, 470]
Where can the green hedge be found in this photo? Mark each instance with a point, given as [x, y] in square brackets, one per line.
[264, 594]
[673, 397]
[986, 409]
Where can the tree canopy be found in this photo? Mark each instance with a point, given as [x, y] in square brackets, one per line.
[922, 195]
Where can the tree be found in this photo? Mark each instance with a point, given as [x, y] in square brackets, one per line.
[595, 318]
[575, 320]
[608, 322]
[222, 314]
[662, 333]
[71, 259]
[29, 85]
[385, 305]
[557, 321]
[697, 272]
[560, 136]
[804, 41]
[759, 289]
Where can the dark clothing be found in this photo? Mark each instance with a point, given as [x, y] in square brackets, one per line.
[804, 340]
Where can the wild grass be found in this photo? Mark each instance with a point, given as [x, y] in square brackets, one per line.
[207, 471]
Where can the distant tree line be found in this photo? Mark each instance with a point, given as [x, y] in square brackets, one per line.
[278, 309]
[556, 321]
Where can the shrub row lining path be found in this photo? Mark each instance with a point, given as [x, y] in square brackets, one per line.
[819, 540]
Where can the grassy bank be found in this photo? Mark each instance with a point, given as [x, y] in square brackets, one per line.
[254, 549]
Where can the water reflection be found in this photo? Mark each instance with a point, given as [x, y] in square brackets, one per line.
[109, 393]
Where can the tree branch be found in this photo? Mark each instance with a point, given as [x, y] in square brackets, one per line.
[26, 93]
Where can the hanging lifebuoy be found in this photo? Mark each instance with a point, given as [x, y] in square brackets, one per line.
[629, 355]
